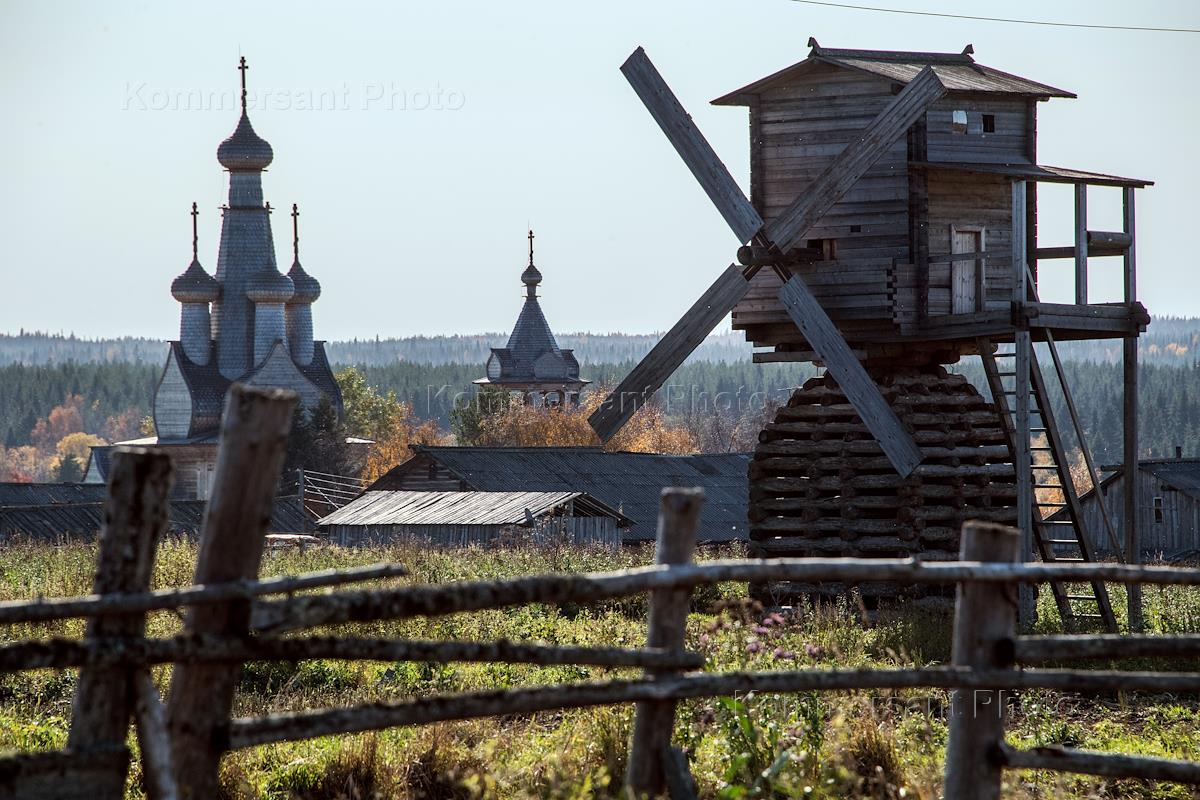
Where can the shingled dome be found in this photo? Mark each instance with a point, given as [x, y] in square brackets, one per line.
[245, 149]
[269, 286]
[195, 285]
[308, 289]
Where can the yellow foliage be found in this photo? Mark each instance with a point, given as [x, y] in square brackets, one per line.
[564, 426]
[79, 445]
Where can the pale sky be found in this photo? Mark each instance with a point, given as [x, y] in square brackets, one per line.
[455, 125]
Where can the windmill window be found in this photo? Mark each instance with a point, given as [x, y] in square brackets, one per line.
[1158, 509]
[827, 247]
[856, 228]
[989, 123]
[958, 121]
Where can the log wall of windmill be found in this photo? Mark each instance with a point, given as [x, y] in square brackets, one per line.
[821, 486]
[795, 132]
[870, 289]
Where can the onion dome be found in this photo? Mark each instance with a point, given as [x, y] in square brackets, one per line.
[195, 285]
[269, 286]
[307, 287]
[531, 277]
[245, 149]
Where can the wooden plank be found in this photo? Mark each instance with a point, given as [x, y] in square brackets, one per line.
[1133, 536]
[678, 518]
[1022, 456]
[791, 226]
[57, 775]
[153, 740]
[254, 433]
[1110, 765]
[691, 145]
[135, 516]
[852, 378]
[1081, 245]
[665, 357]
[984, 618]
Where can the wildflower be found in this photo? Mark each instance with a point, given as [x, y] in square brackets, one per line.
[705, 639]
[754, 646]
[813, 650]
[775, 618]
[762, 631]
[783, 655]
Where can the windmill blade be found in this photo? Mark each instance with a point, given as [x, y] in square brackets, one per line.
[789, 228]
[691, 145]
[665, 357]
[827, 341]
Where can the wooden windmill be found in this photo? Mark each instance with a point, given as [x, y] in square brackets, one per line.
[891, 229]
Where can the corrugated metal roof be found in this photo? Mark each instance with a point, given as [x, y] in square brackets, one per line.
[958, 72]
[84, 519]
[1181, 474]
[455, 508]
[629, 482]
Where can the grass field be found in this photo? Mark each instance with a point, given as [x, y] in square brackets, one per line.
[864, 744]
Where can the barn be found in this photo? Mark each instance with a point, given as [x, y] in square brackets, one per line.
[1167, 498]
[460, 519]
[628, 482]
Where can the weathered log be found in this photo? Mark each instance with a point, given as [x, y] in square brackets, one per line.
[57, 775]
[985, 615]
[41, 610]
[153, 740]
[413, 601]
[1111, 765]
[292, 726]
[678, 518]
[135, 516]
[253, 439]
[211, 648]
[1037, 649]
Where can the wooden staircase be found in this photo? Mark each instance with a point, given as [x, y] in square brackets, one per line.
[1064, 538]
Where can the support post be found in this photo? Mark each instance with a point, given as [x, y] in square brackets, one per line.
[253, 439]
[985, 628]
[679, 516]
[135, 516]
[1023, 352]
[1081, 245]
[1133, 537]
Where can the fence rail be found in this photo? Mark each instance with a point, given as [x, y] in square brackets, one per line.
[229, 621]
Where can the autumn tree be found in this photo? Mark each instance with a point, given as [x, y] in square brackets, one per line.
[520, 425]
[62, 419]
[389, 423]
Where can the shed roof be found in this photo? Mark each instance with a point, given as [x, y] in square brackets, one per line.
[84, 519]
[461, 508]
[958, 72]
[1037, 172]
[631, 482]
[39, 494]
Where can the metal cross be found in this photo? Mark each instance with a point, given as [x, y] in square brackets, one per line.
[195, 236]
[242, 68]
[295, 232]
[531, 247]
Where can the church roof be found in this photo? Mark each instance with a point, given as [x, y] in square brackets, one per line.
[245, 149]
[532, 354]
[307, 287]
[195, 285]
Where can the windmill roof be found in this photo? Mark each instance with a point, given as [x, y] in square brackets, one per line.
[958, 72]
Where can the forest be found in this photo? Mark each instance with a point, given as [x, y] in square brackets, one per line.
[59, 395]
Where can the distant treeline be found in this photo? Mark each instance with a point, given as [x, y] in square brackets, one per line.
[1169, 398]
[1173, 341]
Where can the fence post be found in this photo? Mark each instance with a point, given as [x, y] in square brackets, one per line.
[253, 440]
[679, 516]
[135, 515]
[985, 626]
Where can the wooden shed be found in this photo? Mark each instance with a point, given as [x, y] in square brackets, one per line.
[1167, 498]
[461, 519]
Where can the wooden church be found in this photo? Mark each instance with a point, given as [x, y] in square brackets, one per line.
[891, 229]
[248, 323]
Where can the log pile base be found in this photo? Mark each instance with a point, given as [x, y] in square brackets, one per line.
[820, 485]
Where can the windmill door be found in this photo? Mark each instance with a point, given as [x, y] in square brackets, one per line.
[966, 277]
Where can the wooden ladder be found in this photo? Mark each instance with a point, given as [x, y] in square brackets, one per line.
[1064, 540]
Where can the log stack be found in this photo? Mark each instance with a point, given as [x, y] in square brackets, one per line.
[820, 485]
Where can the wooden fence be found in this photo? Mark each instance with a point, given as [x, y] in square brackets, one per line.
[232, 618]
